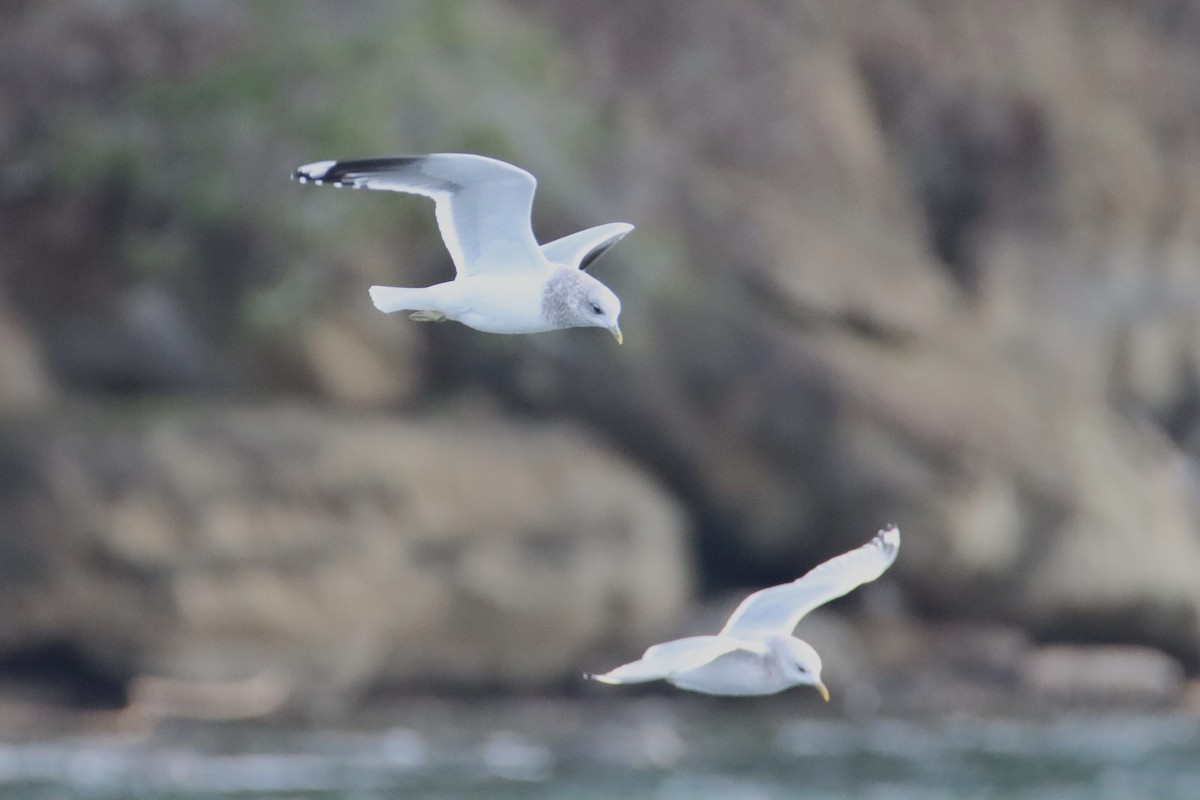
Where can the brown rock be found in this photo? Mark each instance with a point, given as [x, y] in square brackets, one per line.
[363, 364]
[1119, 673]
[1191, 696]
[24, 383]
[958, 293]
[895, 262]
[332, 552]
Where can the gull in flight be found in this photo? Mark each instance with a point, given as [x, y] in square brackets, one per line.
[755, 653]
[505, 281]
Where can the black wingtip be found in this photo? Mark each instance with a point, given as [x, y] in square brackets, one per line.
[317, 172]
[351, 171]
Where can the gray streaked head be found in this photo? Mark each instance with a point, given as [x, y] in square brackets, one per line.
[574, 299]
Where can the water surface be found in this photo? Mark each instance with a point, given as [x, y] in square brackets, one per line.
[649, 748]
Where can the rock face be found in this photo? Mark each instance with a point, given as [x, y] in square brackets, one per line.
[331, 552]
[894, 262]
[23, 380]
[928, 275]
[1077, 673]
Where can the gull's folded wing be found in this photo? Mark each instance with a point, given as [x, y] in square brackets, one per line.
[582, 249]
[670, 658]
[777, 610]
[483, 205]
[690, 653]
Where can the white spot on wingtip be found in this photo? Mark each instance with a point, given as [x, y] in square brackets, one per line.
[315, 171]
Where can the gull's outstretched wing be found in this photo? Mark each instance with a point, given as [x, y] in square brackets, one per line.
[582, 249]
[777, 610]
[483, 205]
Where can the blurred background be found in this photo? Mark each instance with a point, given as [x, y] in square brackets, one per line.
[930, 263]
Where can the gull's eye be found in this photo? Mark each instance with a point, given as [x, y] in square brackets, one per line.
[597, 309]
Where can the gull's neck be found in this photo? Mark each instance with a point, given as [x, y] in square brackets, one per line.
[561, 296]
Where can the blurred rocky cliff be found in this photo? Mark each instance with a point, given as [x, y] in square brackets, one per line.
[930, 263]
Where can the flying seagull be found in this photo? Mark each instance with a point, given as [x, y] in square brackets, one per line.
[506, 282]
[755, 653]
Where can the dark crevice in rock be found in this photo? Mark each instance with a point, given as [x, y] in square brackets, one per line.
[57, 673]
[972, 160]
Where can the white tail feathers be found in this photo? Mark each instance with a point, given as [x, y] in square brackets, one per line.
[394, 298]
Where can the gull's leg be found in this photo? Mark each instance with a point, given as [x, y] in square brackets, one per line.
[428, 316]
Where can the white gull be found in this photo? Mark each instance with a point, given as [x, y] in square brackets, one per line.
[755, 653]
[506, 282]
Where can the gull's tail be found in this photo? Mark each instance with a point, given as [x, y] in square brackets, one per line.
[394, 298]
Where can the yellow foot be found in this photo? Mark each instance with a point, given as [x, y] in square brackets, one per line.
[427, 316]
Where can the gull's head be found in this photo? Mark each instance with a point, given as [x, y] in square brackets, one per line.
[575, 299]
[600, 307]
[802, 664]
